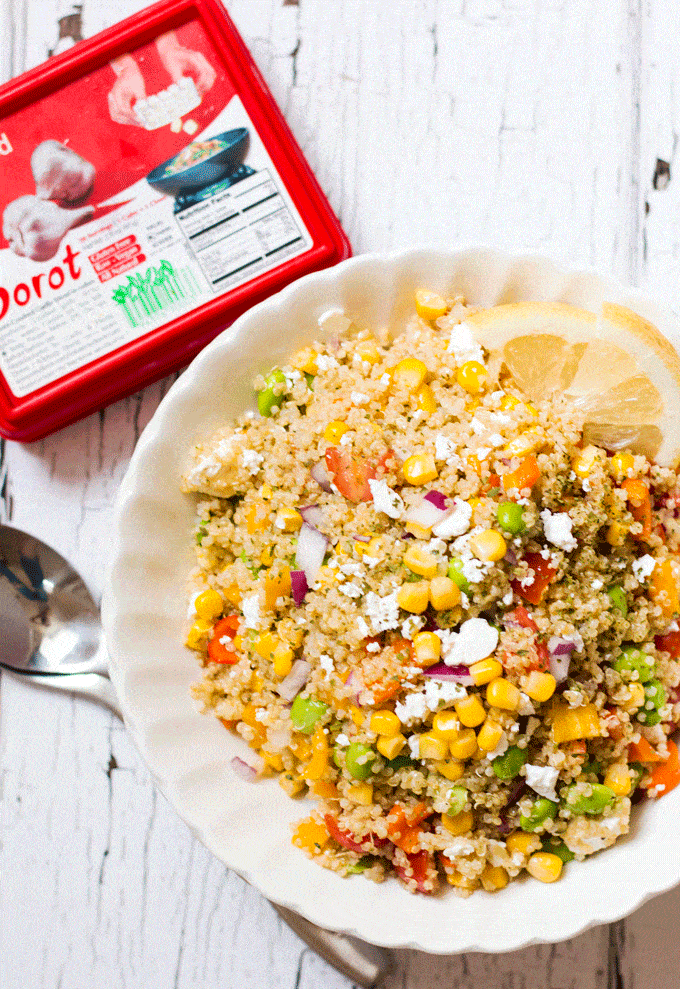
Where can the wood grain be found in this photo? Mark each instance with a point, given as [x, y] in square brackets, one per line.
[528, 124]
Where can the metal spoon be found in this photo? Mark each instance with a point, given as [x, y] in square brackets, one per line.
[51, 635]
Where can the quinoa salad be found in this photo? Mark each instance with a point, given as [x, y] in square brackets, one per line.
[428, 603]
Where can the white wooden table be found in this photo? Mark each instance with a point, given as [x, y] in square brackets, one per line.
[529, 124]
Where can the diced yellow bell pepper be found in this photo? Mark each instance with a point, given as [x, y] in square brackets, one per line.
[572, 723]
[310, 835]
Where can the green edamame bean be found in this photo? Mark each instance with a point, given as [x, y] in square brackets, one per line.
[617, 596]
[510, 517]
[309, 378]
[579, 803]
[542, 810]
[508, 765]
[458, 796]
[267, 399]
[359, 760]
[455, 573]
[365, 862]
[305, 713]
[632, 660]
[557, 847]
[655, 697]
[400, 762]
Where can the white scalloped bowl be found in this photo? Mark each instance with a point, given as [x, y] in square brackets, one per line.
[246, 825]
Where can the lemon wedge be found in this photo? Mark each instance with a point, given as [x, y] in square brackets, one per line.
[616, 368]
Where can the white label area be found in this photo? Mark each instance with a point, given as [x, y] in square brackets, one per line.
[143, 259]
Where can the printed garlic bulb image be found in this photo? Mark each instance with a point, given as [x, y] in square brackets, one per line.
[36, 227]
[60, 173]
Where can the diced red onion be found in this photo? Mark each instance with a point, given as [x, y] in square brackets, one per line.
[311, 549]
[353, 683]
[510, 556]
[560, 647]
[437, 499]
[426, 513]
[559, 658]
[516, 792]
[321, 476]
[313, 515]
[361, 539]
[242, 769]
[299, 586]
[449, 674]
[291, 686]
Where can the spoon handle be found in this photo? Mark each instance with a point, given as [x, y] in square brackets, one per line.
[91, 685]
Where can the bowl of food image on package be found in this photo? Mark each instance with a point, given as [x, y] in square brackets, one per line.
[400, 643]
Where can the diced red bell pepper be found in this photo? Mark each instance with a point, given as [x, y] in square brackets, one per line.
[218, 651]
[669, 643]
[347, 839]
[351, 473]
[544, 573]
[420, 868]
[520, 616]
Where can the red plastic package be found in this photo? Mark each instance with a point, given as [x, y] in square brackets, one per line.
[150, 193]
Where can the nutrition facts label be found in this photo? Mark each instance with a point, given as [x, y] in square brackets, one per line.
[243, 230]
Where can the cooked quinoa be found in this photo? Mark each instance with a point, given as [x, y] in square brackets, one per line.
[424, 603]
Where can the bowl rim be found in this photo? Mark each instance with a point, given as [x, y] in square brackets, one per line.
[495, 941]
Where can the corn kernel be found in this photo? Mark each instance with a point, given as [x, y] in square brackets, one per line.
[472, 405]
[464, 745]
[385, 723]
[431, 747]
[409, 373]
[427, 647]
[266, 492]
[414, 597]
[524, 444]
[522, 842]
[256, 681]
[494, 877]
[460, 824]
[489, 735]
[488, 546]
[501, 693]
[361, 793]
[371, 548]
[636, 697]
[617, 778]
[310, 835]
[540, 686]
[460, 881]
[472, 376]
[334, 431]
[420, 561]
[273, 760]
[584, 461]
[485, 670]
[283, 660]
[451, 769]
[209, 604]
[425, 399]
[545, 866]
[324, 790]
[621, 466]
[572, 723]
[257, 517]
[264, 644]
[530, 408]
[288, 520]
[291, 783]
[429, 305]
[367, 350]
[267, 556]
[509, 402]
[616, 533]
[446, 725]
[198, 633]
[419, 468]
[305, 360]
[357, 715]
[390, 746]
[444, 594]
[470, 710]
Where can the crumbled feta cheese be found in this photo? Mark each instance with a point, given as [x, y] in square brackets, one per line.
[291, 376]
[542, 780]
[250, 606]
[495, 439]
[463, 345]
[445, 449]
[362, 628]
[557, 529]
[415, 706]
[411, 626]
[586, 485]
[252, 461]
[342, 740]
[528, 580]
[383, 613]
[326, 664]
[436, 546]
[643, 567]
[501, 748]
[385, 499]
[500, 418]
[507, 598]
[212, 463]
[478, 427]
[525, 705]
[359, 398]
[455, 524]
[473, 570]
[373, 647]
[325, 362]
[414, 745]
[351, 589]
[385, 380]
[483, 452]
[475, 640]
[346, 439]
[191, 610]
[597, 584]
[351, 569]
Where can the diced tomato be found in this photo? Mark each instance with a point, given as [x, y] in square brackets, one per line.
[347, 839]
[351, 473]
[493, 481]
[382, 672]
[669, 643]
[611, 722]
[544, 573]
[543, 657]
[420, 868]
[577, 747]
[218, 651]
[403, 826]
[520, 616]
